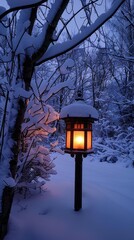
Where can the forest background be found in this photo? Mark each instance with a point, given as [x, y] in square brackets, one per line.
[47, 50]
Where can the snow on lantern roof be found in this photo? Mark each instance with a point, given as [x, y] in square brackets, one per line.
[79, 109]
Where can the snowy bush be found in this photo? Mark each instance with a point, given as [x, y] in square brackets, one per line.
[35, 165]
[119, 148]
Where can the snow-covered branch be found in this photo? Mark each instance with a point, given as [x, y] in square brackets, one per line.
[60, 48]
[46, 36]
[15, 5]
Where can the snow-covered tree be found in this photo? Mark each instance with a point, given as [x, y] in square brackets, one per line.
[31, 35]
[111, 72]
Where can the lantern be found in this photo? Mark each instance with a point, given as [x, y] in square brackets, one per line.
[79, 117]
[78, 135]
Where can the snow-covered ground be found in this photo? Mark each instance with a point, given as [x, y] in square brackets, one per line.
[108, 205]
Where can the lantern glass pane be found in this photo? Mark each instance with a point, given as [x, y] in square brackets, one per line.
[78, 125]
[89, 140]
[68, 139]
[78, 140]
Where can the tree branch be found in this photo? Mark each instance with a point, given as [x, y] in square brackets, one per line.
[59, 49]
[49, 28]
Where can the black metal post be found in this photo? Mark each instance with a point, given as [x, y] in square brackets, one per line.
[78, 182]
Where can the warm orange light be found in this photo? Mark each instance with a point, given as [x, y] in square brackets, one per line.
[78, 125]
[68, 139]
[78, 140]
[89, 140]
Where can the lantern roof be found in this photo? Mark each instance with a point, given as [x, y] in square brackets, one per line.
[79, 109]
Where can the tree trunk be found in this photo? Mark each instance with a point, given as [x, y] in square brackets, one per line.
[8, 192]
[7, 200]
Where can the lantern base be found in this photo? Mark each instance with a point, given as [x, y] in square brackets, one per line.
[82, 152]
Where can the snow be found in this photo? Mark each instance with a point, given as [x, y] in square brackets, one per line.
[69, 63]
[107, 212]
[9, 181]
[16, 3]
[78, 109]
[53, 90]
[20, 92]
[7, 6]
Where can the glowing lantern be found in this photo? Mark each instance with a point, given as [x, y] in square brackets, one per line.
[79, 117]
[78, 135]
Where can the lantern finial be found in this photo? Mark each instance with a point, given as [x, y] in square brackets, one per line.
[79, 94]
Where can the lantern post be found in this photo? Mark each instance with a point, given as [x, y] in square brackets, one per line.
[78, 182]
[78, 117]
